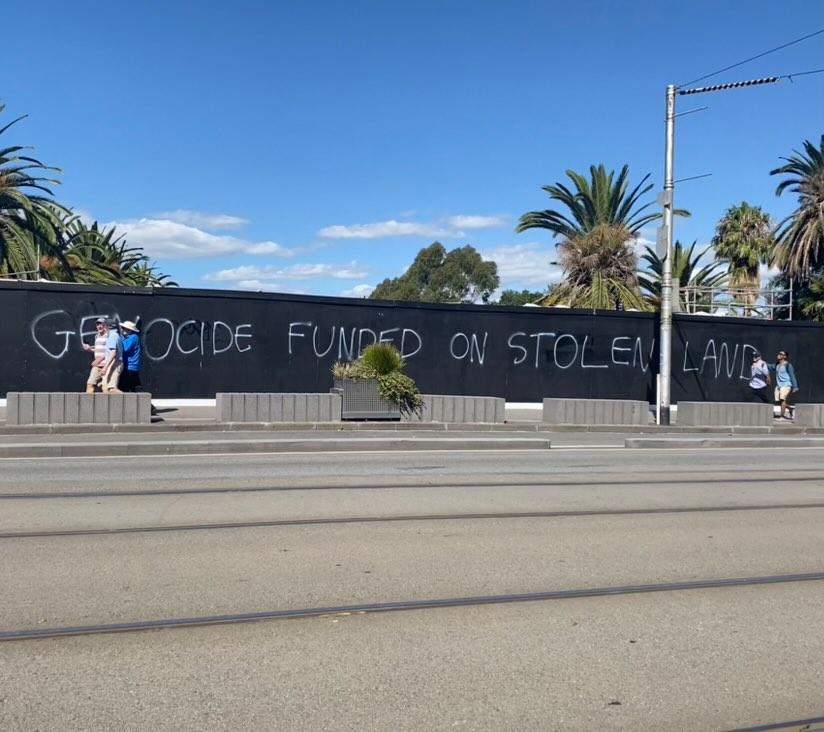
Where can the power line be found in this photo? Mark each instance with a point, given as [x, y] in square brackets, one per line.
[801, 73]
[753, 58]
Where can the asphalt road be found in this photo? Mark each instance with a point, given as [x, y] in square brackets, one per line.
[415, 526]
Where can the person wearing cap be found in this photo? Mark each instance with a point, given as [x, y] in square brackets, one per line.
[113, 361]
[130, 378]
[99, 351]
[759, 383]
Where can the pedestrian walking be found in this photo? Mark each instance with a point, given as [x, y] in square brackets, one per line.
[113, 362]
[758, 386]
[99, 351]
[785, 384]
[130, 378]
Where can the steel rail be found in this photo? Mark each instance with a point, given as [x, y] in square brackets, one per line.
[385, 607]
[482, 481]
[318, 521]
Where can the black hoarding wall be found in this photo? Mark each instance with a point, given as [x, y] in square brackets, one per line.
[197, 342]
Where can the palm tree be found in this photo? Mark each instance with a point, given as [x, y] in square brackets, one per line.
[799, 248]
[603, 200]
[598, 222]
[744, 239]
[29, 219]
[599, 272]
[101, 256]
[686, 269]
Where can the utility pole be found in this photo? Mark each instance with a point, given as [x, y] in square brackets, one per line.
[665, 235]
[665, 337]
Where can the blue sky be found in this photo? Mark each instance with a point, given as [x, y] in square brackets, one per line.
[316, 147]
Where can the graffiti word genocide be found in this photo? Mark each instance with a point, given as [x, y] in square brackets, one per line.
[56, 332]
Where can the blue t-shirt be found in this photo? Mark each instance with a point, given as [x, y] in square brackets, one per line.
[782, 378]
[131, 352]
[114, 343]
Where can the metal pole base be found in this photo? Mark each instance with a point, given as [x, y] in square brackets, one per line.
[664, 416]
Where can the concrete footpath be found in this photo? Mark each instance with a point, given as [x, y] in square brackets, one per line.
[192, 430]
[368, 438]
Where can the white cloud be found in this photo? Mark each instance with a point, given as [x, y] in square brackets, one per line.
[476, 222]
[381, 230]
[165, 239]
[258, 285]
[452, 227]
[524, 264]
[358, 291]
[203, 220]
[253, 273]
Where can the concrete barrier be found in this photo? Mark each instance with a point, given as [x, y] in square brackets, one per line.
[58, 407]
[596, 411]
[809, 415]
[724, 414]
[278, 407]
[464, 409]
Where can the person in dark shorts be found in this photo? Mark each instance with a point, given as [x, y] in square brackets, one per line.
[130, 377]
[758, 387]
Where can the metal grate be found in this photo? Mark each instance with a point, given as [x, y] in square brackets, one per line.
[362, 400]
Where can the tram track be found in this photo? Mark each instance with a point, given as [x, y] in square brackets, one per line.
[319, 521]
[478, 481]
[29, 634]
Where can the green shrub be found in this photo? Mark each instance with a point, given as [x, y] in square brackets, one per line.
[384, 363]
[381, 359]
[399, 389]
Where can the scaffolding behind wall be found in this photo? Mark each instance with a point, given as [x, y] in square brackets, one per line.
[740, 302]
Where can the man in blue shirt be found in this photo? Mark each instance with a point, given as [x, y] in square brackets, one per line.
[130, 378]
[785, 383]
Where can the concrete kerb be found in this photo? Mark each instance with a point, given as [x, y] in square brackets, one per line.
[714, 442]
[535, 427]
[309, 445]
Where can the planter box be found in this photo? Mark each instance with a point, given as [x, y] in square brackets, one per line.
[277, 407]
[362, 400]
[724, 414]
[58, 407]
[596, 411]
[459, 409]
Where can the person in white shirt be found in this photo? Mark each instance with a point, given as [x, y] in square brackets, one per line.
[99, 350]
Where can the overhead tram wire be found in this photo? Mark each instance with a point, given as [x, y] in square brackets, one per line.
[749, 82]
[753, 58]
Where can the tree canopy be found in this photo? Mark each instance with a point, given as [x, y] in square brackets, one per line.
[42, 239]
[744, 238]
[523, 297]
[436, 275]
[598, 220]
[799, 249]
[686, 268]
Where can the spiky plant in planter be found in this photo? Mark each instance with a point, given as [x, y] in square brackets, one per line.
[383, 363]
